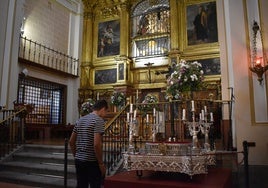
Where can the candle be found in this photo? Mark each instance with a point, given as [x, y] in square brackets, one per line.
[205, 108]
[211, 116]
[202, 115]
[147, 118]
[127, 117]
[137, 94]
[192, 106]
[131, 108]
[98, 96]
[135, 113]
[183, 114]
[154, 112]
[160, 118]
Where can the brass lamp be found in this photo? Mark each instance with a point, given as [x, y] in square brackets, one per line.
[257, 66]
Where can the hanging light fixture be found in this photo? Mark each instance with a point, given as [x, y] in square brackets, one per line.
[259, 64]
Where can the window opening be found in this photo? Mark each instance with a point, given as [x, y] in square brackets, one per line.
[151, 28]
[46, 97]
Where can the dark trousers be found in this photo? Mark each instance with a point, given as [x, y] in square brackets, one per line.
[88, 173]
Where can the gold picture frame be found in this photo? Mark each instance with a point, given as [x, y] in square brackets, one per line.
[108, 40]
[199, 23]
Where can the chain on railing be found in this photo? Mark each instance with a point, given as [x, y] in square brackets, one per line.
[40, 54]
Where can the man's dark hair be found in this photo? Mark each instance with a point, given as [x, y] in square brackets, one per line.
[100, 104]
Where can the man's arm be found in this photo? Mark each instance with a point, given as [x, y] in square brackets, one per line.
[72, 143]
[98, 147]
[98, 152]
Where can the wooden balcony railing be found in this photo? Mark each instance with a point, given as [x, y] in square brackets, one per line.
[37, 53]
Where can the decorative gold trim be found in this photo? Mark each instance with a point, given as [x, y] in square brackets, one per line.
[194, 49]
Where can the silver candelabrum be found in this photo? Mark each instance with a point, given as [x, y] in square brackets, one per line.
[154, 125]
[202, 125]
[133, 129]
[205, 127]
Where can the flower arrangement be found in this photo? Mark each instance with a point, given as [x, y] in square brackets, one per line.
[186, 76]
[118, 99]
[86, 107]
[148, 103]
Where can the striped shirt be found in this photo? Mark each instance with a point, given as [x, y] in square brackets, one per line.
[85, 128]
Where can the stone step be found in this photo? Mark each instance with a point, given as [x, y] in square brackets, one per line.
[45, 148]
[53, 157]
[36, 179]
[38, 165]
[38, 168]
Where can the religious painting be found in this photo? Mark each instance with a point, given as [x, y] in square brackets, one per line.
[211, 66]
[108, 38]
[201, 22]
[107, 76]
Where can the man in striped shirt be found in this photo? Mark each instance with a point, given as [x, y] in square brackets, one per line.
[86, 146]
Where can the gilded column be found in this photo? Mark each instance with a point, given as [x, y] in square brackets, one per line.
[87, 48]
[124, 29]
[174, 25]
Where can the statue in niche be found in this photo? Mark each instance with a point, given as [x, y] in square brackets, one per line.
[143, 25]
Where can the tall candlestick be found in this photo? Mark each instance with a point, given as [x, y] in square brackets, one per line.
[203, 115]
[98, 96]
[128, 117]
[205, 108]
[131, 108]
[211, 116]
[135, 113]
[137, 94]
[147, 118]
[154, 112]
[183, 114]
[192, 106]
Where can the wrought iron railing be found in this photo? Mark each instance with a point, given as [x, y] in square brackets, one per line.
[11, 131]
[40, 54]
[116, 138]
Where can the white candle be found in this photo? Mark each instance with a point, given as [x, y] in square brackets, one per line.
[211, 116]
[147, 118]
[131, 108]
[203, 115]
[205, 108]
[137, 94]
[154, 112]
[127, 117]
[98, 96]
[183, 114]
[135, 113]
[192, 106]
[160, 118]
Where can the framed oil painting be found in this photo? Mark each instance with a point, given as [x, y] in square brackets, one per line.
[108, 38]
[201, 19]
[107, 76]
[211, 66]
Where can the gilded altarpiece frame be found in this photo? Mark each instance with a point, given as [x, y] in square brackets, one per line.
[108, 43]
[199, 39]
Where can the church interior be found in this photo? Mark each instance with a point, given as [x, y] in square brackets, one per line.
[183, 78]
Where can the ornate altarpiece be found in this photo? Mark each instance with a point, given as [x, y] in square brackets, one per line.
[130, 46]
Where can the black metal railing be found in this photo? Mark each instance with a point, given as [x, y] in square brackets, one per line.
[11, 131]
[40, 54]
[116, 137]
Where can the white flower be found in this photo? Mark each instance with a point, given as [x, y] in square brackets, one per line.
[186, 76]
